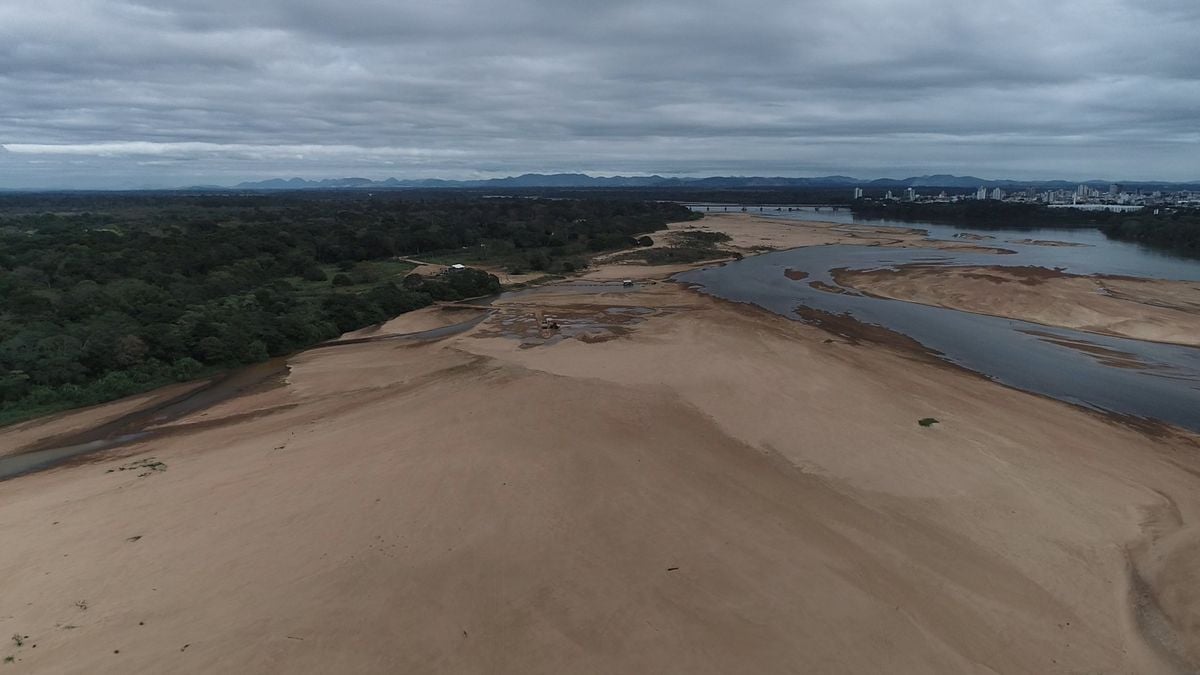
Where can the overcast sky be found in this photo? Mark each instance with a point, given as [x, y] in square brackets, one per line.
[100, 93]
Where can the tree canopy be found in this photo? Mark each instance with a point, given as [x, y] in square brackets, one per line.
[1174, 230]
[108, 295]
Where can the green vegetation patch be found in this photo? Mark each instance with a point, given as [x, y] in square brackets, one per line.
[107, 295]
[687, 246]
[698, 237]
[1174, 230]
[983, 214]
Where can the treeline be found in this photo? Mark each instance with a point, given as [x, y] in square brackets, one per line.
[108, 295]
[1174, 230]
[984, 213]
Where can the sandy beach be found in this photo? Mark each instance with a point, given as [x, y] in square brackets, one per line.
[668, 483]
[1143, 309]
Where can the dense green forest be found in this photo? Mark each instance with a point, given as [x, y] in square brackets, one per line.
[984, 213]
[1174, 230]
[106, 295]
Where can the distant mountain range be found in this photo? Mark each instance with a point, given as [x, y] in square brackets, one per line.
[579, 180]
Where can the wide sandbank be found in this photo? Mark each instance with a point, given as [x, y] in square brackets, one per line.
[666, 484]
[1144, 309]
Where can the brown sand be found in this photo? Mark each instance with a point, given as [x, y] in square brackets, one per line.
[1144, 309]
[709, 490]
[750, 234]
[425, 319]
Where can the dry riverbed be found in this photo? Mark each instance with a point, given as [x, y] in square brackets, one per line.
[666, 484]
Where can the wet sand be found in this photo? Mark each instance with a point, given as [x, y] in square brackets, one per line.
[1143, 309]
[45, 430]
[680, 485]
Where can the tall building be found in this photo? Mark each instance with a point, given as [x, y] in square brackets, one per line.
[997, 194]
[981, 193]
[858, 193]
[910, 194]
[888, 195]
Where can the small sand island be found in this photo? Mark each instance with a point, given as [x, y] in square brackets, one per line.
[1143, 309]
[600, 477]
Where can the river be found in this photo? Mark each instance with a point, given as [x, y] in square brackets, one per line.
[1164, 386]
[1146, 380]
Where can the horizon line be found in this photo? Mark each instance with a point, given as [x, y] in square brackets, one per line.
[689, 178]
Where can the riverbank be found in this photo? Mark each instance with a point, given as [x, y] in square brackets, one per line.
[667, 483]
[755, 234]
[1142, 309]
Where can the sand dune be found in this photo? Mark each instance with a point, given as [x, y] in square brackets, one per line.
[670, 484]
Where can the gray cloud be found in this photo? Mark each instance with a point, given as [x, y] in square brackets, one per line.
[109, 94]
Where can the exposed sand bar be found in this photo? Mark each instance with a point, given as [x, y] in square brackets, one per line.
[1143, 309]
[680, 485]
[750, 233]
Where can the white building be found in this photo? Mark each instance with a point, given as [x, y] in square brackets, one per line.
[997, 194]
[858, 193]
[981, 193]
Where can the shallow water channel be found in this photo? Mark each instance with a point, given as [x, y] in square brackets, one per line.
[1129, 377]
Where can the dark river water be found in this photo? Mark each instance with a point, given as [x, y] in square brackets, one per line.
[1164, 385]
[1153, 381]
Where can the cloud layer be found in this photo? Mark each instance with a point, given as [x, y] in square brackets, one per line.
[101, 93]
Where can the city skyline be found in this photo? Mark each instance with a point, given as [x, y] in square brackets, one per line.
[1114, 198]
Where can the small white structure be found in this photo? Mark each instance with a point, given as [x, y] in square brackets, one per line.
[458, 266]
[627, 282]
